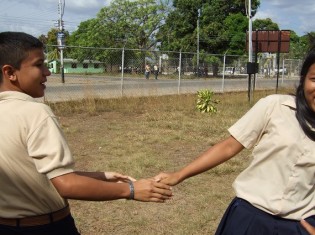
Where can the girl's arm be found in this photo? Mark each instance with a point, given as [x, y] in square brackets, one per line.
[214, 156]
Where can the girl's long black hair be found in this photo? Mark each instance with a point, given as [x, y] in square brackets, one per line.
[304, 114]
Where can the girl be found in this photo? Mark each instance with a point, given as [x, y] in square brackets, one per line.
[276, 190]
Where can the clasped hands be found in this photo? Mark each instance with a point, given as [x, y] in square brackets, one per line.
[155, 189]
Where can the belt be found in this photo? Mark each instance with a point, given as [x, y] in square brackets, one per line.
[37, 220]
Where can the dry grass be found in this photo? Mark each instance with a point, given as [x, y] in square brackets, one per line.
[142, 137]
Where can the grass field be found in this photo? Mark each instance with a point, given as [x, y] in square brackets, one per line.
[142, 137]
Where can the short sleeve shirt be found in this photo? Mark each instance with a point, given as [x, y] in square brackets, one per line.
[280, 179]
[32, 151]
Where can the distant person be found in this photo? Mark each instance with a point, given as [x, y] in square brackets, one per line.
[206, 71]
[37, 173]
[277, 189]
[156, 71]
[147, 71]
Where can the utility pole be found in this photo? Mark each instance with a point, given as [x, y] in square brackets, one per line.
[198, 42]
[250, 51]
[61, 37]
[250, 30]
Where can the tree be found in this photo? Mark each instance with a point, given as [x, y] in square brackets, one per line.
[298, 46]
[216, 27]
[234, 33]
[310, 38]
[123, 24]
[182, 24]
[265, 24]
[43, 39]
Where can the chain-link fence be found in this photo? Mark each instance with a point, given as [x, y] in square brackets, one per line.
[85, 72]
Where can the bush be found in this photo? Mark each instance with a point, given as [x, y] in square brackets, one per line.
[205, 102]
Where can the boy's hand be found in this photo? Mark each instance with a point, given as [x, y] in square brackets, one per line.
[148, 190]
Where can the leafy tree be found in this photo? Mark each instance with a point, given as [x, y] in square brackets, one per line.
[43, 39]
[235, 26]
[310, 38]
[265, 24]
[217, 29]
[124, 23]
[298, 45]
[180, 29]
[215, 62]
[89, 34]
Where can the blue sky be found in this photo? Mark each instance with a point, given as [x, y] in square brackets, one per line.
[38, 16]
[297, 15]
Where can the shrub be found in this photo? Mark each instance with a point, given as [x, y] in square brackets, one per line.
[205, 101]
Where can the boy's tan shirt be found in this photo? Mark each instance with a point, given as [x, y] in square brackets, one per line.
[32, 151]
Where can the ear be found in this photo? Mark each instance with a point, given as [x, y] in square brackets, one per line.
[9, 72]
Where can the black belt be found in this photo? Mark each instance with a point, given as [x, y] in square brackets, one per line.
[37, 220]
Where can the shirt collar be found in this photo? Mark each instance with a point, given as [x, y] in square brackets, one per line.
[15, 95]
[290, 102]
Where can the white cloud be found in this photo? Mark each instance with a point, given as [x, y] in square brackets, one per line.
[289, 14]
[38, 17]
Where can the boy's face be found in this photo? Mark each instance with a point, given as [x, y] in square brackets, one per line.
[32, 75]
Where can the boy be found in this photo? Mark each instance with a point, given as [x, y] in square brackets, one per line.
[36, 166]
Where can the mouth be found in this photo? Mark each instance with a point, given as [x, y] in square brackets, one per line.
[43, 85]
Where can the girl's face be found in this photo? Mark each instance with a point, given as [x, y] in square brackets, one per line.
[309, 87]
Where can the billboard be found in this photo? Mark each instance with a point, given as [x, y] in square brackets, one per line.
[272, 41]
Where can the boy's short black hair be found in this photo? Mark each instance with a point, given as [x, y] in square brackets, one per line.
[14, 48]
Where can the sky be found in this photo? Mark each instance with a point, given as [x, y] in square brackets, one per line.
[37, 17]
[296, 15]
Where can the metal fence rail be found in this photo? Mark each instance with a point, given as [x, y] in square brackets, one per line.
[116, 72]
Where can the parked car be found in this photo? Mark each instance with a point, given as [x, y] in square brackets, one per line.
[281, 70]
[230, 70]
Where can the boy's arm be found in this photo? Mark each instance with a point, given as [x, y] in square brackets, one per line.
[74, 186]
[106, 176]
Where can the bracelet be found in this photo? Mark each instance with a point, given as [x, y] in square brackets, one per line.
[132, 191]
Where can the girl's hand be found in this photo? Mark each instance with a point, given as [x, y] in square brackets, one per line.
[117, 177]
[168, 178]
[309, 228]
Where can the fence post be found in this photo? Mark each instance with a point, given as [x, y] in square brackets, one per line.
[223, 73]
[179, 71]
[122, 72]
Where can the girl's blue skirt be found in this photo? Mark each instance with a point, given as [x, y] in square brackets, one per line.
[241, 218]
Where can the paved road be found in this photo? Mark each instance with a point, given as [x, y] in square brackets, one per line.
[78, 88]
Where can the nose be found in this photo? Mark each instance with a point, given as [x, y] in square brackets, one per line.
[46, 71]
